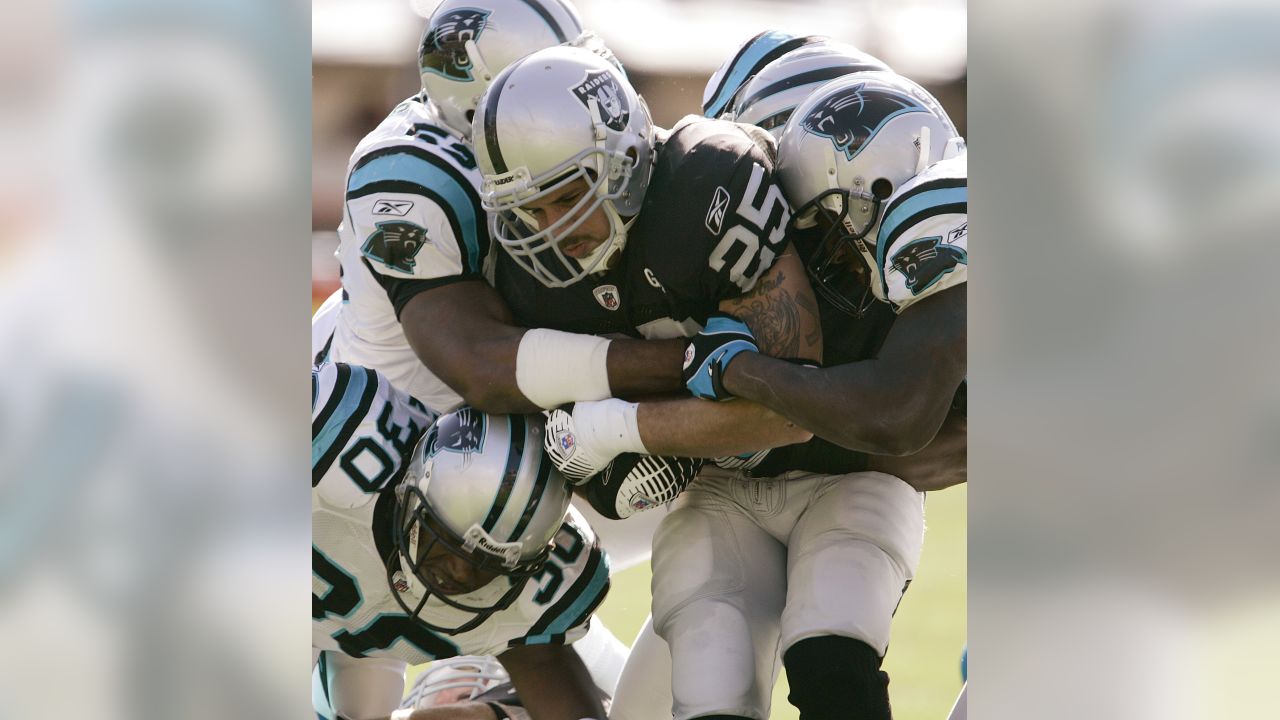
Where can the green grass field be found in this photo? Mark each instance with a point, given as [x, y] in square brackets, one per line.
[928, 631]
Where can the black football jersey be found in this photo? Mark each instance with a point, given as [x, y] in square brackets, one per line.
[713, 221]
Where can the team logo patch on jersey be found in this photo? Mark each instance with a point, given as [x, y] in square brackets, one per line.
[392, 207]
[715, 213]
[395, 244]
[610, 98]
[462, 431]
[444, 51]
[607, 296]
[923, 262]
[852, 116]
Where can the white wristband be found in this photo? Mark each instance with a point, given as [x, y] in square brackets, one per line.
[609, 427]
[554, 368]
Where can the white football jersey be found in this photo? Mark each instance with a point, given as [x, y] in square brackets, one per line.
[358, 423]
[412, 219]
[923, 243]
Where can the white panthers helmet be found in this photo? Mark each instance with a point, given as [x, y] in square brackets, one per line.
[480, 486]
[554, 117]
[752, 55]
[768, 99]
[468, 42]
[843, 152]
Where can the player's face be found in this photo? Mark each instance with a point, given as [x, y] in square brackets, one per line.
[562, 205]
[450, 573]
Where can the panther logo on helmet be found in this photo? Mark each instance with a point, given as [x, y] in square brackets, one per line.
[444, 51]
[923, 262]
[610, 98]
[462, 431]
[851, 117]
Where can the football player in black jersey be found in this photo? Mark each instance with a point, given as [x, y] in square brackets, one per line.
[873, 161]
[610, 225]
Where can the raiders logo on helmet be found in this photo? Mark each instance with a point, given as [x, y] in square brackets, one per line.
[851, 117]
[395, 244]
[923, 262]
[602, 86]
[444, 51]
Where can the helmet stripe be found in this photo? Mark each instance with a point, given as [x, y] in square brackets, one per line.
[491, 121]
[550, 21]
[758, 52]
[515, 453]
[535, 499]
[811, 77]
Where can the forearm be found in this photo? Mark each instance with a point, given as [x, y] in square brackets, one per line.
[943, 463]
[689, 427]
[467, 337]
[857, 405]
[645, 367]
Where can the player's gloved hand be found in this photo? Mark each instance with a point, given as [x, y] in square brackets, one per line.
[583, 438]
[709, 353]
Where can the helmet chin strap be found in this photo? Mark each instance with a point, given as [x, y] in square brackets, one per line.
[598, 259]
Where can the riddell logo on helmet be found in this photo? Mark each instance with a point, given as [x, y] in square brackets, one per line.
[609, 96]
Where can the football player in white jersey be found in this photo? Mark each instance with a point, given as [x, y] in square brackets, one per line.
[415, 303]
[461, 542]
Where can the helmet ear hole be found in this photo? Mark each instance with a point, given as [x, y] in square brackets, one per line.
[471, 115]
[881, 189]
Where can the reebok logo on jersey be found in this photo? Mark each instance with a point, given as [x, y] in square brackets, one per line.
[923, 262]
[716, 212]
[958, 233]
[604, 89]
[607, 296]
[392, 207]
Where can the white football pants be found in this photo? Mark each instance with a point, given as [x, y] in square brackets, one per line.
[743, 569]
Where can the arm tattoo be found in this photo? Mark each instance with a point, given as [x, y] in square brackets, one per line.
[774, 316]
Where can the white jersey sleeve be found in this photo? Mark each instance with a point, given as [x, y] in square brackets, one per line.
[923, 244]
[412, 210]
[362, 431]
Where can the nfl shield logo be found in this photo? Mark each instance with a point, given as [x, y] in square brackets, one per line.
[399, 583]
[607, 296]
[566, 442]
